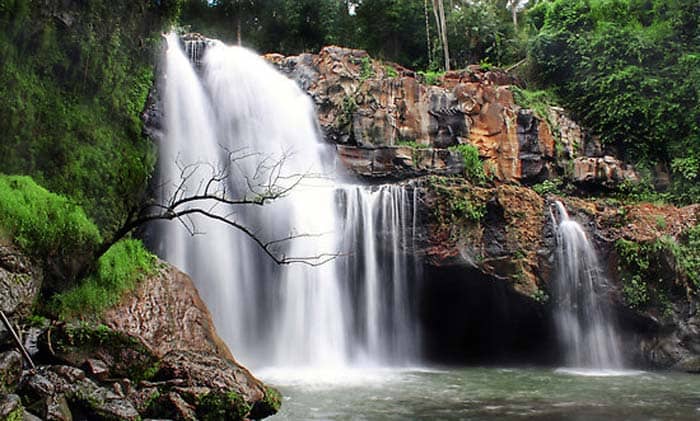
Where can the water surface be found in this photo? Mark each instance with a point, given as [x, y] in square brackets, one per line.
[485, 394]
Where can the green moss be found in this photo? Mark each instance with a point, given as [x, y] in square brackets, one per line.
[218, 406]
[128, 356]
[366, 70]
[390, 71]
[43, 223]
[118, 271]
[269, 405]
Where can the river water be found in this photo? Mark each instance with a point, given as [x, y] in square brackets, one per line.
[485, 394]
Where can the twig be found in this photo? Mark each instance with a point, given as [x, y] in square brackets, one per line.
[16, 338]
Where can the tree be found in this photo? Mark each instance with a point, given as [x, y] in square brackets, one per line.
[213, 198]
[439, 11]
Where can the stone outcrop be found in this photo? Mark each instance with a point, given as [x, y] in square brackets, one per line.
[372, 104]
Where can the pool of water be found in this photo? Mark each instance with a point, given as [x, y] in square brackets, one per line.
[485, 394]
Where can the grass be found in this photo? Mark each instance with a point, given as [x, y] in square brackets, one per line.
[118, 271]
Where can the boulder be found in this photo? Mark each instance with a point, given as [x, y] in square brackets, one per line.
[166, 313]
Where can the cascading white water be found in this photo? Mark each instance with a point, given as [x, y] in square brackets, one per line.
[583, 317]
[355, 309]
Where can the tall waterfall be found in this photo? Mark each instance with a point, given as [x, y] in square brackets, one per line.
[233, 118]
[583, 316]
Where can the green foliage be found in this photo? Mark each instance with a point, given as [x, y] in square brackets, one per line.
[546, 187]
[366, 70]
[119, 270]
[222, 406]
[42, 223]
[645, 281]
[431, 78]
[462, 207]
[629, 70]
[73, 83]
[390, 71]
[539, 101]
[482, 32]
[473, 166]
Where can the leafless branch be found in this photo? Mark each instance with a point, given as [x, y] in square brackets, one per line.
[204, 189]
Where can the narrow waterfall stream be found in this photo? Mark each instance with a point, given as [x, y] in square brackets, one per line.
[225, 102]
[584, 321]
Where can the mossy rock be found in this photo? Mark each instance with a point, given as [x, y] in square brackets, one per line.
[219, 406]
[125, 356]
[268, 406]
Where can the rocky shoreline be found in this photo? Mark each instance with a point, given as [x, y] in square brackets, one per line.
[154, 355]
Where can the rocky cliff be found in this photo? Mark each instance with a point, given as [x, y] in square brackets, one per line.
[390, 123]
[155, 354]
[375, 109]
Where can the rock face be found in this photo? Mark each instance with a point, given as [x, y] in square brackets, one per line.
[371, 104]
[399, 162]
[508, 236]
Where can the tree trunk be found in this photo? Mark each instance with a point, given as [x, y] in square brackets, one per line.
[443, 31]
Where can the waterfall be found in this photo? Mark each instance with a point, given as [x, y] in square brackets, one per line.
[583, 316]
[356, 309]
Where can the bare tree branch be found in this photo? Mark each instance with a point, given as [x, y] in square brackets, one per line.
[211, 193]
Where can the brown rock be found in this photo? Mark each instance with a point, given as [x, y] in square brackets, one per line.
[604, 171]
[166, 313]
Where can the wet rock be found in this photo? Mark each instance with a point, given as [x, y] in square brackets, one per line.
[97, 368]
[124, 356]
[20, 282]
[689, 364]
[10, 407]
[181, 409]
[56, 408]
[359, 103]
[210, 371]
[10, 370]
[49, 383]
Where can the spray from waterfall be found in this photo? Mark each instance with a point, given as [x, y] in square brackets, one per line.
[356, 309]
[584, 320]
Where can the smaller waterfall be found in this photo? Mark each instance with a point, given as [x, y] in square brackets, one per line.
[583, 316]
